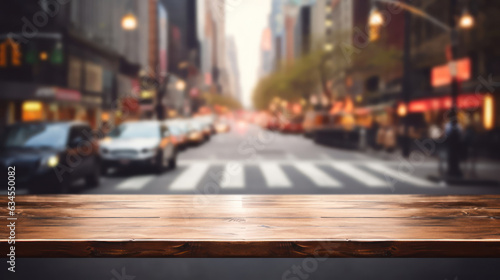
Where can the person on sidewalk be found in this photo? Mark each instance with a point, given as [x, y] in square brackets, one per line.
[390, 139]
[380, 137]
[470, 149]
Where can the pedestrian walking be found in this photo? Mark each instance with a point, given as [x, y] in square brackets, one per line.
[470, 149]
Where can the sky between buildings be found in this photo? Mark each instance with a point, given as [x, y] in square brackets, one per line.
[245, 20]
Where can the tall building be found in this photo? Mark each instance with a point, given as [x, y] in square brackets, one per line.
[69, 60]
[213, 41]
[154, 74]
[290, 22]
[303, 31]
[266, 62]
[183, 44]
[320, 13]
[233, 70]
[277, 26]
[184, 54]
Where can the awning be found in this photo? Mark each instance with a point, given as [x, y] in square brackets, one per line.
[464, 101]
[373, 109]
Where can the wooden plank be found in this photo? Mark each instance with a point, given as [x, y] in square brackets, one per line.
[255, 226]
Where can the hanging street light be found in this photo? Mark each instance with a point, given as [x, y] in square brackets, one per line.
[376, 19]
[129, 22]
[466, 20]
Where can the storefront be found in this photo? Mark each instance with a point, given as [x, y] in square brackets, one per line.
[382, 114]
[31, 103]
[127, 106]
[474, 108]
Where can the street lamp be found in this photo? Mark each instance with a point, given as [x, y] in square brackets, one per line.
[376, 19]
[466, 20]
[180, 85]
[129, 22]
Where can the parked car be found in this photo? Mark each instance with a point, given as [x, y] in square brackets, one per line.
[143, 143]
[273, 123]
[195, 134]
[208, 123]
[293, 125]
[49, 157]
[314, 121]
[179, 132]
[222, 127]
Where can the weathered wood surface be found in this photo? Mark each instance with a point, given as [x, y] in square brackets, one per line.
[255, 226]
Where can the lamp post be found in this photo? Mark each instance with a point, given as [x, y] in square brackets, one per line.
[129, 22]
[466, 21]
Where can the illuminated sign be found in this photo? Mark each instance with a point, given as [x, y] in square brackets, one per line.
[442, 75]
[15, 53]
[464, 101]
[32, 111]
[147, 94]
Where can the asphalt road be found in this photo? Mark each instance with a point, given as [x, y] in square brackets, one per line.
[249, 160]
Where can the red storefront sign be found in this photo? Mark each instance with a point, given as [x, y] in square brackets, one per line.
[441, 75]
[464, 101]
[56, 93]
[68, 95]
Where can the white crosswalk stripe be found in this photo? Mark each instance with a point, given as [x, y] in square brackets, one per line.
[233, 176]
[359, 175]
[316, 175]
[274, 176]
[392, 176]
[190, 178]
[135, 183]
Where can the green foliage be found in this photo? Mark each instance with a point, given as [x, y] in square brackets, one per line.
[310, 73]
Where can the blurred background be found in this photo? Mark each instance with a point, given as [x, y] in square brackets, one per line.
[311, 96]
[215, 97]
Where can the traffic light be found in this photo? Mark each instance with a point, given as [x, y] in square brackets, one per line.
[15, 53]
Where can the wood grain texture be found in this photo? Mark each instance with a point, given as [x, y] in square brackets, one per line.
[272, 226]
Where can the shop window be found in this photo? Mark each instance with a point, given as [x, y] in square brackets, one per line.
[32, 111]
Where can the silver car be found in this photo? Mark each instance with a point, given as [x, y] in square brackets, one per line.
[144, 143]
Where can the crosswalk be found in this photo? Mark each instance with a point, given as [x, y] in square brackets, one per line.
[359, 175]
[189, 178]
[316, 175]
[276, 175]
[135, 183]
[233, 177]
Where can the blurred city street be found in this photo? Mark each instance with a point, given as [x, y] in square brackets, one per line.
[250, 160]
[146, 100]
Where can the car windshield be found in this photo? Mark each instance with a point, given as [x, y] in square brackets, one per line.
[36, 136]
[195, 126]
[175, 129]
[136, 130]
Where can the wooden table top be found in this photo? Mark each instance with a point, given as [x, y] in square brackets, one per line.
[255, 226]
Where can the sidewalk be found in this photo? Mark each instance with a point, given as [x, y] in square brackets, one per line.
[485, 169]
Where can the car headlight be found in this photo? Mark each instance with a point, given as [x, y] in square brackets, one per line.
[51, 161]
